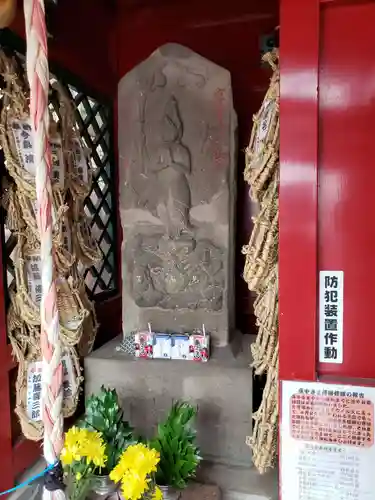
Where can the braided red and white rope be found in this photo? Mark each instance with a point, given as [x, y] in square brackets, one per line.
[52, 390]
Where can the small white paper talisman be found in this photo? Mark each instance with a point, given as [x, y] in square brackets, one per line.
[180, 347]
[80, 162]
[67, 236]
[58, 171]
[23, 137]
[34, 277]
[34, 391]
[264, 124]
[69, 381]
[162, 346]
[34, 386]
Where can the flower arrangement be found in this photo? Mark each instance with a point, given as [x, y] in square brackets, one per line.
[135, 471]
[104, 414]
[83, 452]
[176, 443]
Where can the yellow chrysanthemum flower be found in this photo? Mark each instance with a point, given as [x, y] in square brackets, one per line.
[133, 486]
[71, 437]
[93, 448]
[70, 455]
[117, 473]
[83, 443]
[139, 458]
[158, 494]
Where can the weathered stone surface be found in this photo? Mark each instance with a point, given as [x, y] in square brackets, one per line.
[196, 491]
[177, 194]
[221, 389]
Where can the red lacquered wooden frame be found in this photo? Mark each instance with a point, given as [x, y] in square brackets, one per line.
[311, 36]
[299, 52]
[298, 220]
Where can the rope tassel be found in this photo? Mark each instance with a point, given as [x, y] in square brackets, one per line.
[52, 389]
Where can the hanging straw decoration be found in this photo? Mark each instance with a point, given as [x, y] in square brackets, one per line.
[78, 325]
[52, 371]
[72, 254]
[50, 316]
[261, 265]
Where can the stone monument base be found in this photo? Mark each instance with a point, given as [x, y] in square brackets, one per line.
[221, 388]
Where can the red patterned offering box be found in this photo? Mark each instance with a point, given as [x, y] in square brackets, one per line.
[144, 343]
[199, 348]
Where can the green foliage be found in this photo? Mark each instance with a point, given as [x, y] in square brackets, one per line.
[179, 456]
[104, 414]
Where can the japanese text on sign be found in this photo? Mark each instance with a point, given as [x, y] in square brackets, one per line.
[332, 419]
[327, 442]
[331, 309]
[80, 162]
[24, 142]
[34, 278]
[34, 386]
[34, 391]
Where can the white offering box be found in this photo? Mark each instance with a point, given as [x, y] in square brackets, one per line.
[162, 346]
[180, 347]
[144, 345]
[199, 347]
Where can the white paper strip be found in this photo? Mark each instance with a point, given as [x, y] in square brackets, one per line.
[331, 316]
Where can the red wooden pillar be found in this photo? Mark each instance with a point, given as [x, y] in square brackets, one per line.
[326, 195]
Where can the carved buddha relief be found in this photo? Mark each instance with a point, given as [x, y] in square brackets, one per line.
[174, 198]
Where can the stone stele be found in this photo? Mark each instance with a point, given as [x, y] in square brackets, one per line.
[177, 130]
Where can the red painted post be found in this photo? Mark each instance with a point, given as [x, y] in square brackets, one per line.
[299, 52]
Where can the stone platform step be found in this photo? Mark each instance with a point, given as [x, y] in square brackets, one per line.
[221, 388]
[239, 483]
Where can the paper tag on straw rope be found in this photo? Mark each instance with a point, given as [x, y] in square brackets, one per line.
[67, 236]
[34, 386]
[34, 277]
[265, 117]
[34, 391]
[23, 138]
[69, 381]
[80, 162]
[24, 141]
[58, 174]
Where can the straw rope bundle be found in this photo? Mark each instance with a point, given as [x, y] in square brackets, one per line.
[261, 265]
[25, 341]
[71, 254]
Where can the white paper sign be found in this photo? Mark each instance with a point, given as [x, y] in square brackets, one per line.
[327, 442]
[58, 171]
[34, 277]
[34, 386]
[69, 382]
[24, 141]
[264, 124]
[80, 162]
[331, 316]
[34, 391]
[67, 236]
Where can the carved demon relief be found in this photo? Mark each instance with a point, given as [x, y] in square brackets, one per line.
[175, 272]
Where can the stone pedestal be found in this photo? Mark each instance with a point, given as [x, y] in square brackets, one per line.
[177, 163]
[221, 389]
